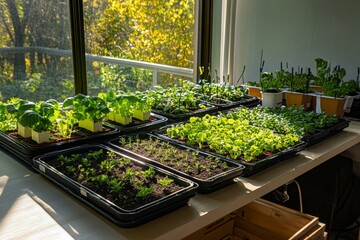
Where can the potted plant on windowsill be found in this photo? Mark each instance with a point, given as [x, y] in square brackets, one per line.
[142, 106]
[272, 96]
[322, 73]
[123, 109]
[40, 119]
[334, 90]
[88, 110]
[254, 89]
[16, 108]
[7, 122]
[299, 90]
[120, 106]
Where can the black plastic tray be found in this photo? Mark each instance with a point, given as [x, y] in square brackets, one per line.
[247, 101]
[223, 105]
[318, 136]
[124, 224]
[250, 167]
[27, 160]
[322, 134]
[340, 125]
[185, 116]
[27, 151]
[205, 186]
[154, 122]
[122, 217]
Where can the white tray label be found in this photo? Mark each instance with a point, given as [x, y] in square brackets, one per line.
[41, 167]
[83, 192]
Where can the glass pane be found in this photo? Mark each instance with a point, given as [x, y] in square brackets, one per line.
[35, 50]
[145, 43]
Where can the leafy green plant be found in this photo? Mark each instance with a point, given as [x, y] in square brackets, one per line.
[142, 101]
[64, 126]
[215, 90]
[300, 82]
[269, 83]
[87, 107]
[42, 116]
[174, 100]
[233, 137]
[322, 71]
[17, 107]
[334, 86]
[330, 79]
[121, 104]
[7, 123]
[144, 191]
[165, 181]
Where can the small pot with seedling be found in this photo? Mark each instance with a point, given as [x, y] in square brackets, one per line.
[299, 84]
[16, 110]
[88, 110]
[141, 107]
[40, 119]
[272, 96]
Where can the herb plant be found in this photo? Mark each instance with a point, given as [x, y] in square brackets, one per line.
[87, 107]
[42, 116]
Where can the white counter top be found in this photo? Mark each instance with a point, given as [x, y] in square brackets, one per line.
[37, 208]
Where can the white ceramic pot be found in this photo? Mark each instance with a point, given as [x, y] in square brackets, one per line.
[272, 99]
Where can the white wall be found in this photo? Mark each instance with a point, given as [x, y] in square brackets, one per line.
[297, 32]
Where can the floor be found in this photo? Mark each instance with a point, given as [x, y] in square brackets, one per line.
[353, 233]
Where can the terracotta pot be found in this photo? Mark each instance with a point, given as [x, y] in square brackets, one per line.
[332, 105]
[254, 91]
[316, 88]
[298, 99]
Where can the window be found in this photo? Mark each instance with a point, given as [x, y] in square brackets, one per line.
[35, 55]
[145, 43]
[129, 45]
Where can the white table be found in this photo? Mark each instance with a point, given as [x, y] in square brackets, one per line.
[32, 207]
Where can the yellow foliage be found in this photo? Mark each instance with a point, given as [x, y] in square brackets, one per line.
[159, 31]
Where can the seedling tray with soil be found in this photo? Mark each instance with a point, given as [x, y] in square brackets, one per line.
[125, 190]
[211, 173]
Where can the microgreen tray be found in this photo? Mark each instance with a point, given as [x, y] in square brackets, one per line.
[251, 168]
[208, 179]
[97, 198]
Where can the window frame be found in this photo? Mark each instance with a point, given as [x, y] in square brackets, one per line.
[202, 40]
